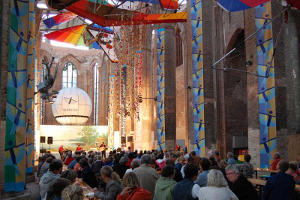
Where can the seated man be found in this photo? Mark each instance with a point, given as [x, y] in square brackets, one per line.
[239, 185]
[50, 177]
[280, 186]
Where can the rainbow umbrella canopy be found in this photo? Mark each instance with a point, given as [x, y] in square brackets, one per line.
[238, 5]
[80, 36]
[72, 35]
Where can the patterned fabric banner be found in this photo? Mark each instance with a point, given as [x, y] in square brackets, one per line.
[19, 136]
[161, 131]
[198, 87]
[30, 89]
[266, 85]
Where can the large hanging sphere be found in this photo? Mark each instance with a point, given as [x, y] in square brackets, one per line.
[72, 106]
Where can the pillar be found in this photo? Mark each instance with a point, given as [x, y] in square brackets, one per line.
[170, 87]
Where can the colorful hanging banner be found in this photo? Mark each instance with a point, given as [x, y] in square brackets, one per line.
[198, 86]
[111, 111]
[30, 90]
[18, 137]
[266, 84]
[161, 131]
[59, 19]
[238, 5]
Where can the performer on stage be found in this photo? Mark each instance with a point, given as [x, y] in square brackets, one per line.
[78, 149]
[103, 150]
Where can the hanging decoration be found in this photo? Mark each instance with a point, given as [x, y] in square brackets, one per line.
[18, 156]
[81, 35]
[113, 16]
[238, 5]
[165, 4]
[266, 84]
[111, 111]
[59, 19]
[123, 102]
[198, 83]
[161, 132]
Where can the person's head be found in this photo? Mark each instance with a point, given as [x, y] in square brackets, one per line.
[83, 162]
[135, 163]
[72, 192]
[193, 153]
[292, 168]
[247, 158]
[56, 166]
[283, 165]
[190, 160]
[223, 164]
[107, 173]
[123, 161]
[69, 154]
[130, 180]
[168, 171]
[232, 173]
[49, 159]
[216, 154]
[160, 156]
[216, 178]
[146, 159]
[230, 155]
[276, 155]
[57, 187]
[69, 174]
[205, 164]
[181, 160]
[170, 162]
[191, 171]
[213, 161]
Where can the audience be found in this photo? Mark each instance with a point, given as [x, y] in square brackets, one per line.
[183, 189]
[56, 188]
[230, 159]
[113, 187]
[164, 188]
[202, 177]
[134, 164]
[146, 175]
[217, 188]
[275, 162]
[214, 180]
[132, 189]
[280, 186]
[246, 169]
[50, 177]
[239, 185]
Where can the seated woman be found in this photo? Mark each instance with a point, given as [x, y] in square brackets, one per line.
[217, 188]
[112, 180]
[132, 189]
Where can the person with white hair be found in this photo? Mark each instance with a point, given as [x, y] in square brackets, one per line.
[239, 185]
[146, 175]
[217, 188]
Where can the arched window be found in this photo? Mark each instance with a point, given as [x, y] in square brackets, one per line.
[69, 76]
[96, 92]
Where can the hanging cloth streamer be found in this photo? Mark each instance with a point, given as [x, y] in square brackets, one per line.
[238, 5]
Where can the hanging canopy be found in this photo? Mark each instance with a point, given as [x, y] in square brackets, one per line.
[238, 5]
[59, 19]
[106, 15]
[72, 35]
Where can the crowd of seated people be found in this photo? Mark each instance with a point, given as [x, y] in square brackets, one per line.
[158, 175]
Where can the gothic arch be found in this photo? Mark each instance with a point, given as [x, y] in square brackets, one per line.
[69, 58]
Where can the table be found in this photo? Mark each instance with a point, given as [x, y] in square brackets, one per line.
[264, 171]
[88, 192]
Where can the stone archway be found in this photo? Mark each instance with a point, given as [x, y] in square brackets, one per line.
[235, 94]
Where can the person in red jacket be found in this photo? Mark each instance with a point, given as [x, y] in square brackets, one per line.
[132, 190]
[275, 162]
[78, 149]
[69, 158]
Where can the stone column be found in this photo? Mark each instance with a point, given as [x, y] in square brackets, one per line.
[170, 87]
[252, 88]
